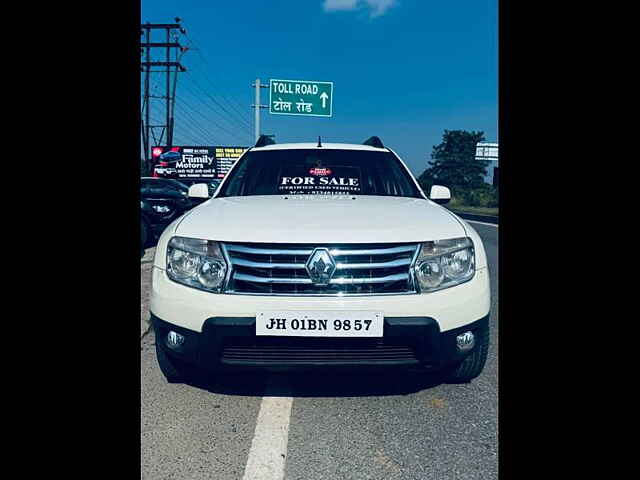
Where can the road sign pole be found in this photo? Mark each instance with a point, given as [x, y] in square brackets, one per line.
[257, 107]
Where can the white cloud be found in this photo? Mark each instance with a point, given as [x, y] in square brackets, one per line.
[332, 5]
[376, 7]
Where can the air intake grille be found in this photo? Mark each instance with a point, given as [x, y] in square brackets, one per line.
[312, 351]
[360, 269]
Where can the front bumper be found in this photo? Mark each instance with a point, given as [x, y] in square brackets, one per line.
[230, 344]
[188, 307]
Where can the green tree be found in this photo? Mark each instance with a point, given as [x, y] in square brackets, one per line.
[454, 163]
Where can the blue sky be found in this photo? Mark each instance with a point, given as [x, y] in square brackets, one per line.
[404, 70]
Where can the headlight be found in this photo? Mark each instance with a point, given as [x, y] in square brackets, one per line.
[445, 263]
[196, 263]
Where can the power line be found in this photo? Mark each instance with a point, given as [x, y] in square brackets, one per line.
[204, 60]
[216, 102]
[242, 114]
[199, 99]
[209, 120]
[194, 130]
[180, 131]
[187, 137]
[201, 131]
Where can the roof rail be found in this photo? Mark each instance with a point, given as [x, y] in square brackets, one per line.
[264, 140]
[374, 142]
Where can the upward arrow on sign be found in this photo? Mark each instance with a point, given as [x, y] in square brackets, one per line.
[324, 97]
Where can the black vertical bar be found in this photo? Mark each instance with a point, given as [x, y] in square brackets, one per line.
[147, 160]
[169, 139]
[173, 95]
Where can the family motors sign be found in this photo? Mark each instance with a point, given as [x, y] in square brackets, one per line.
[301, 97]
[187, 162]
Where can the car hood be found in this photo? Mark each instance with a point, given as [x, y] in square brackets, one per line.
[320, 219]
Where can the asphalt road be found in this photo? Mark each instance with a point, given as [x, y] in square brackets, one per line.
[319, 427]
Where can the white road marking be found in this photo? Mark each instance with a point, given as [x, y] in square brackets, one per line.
[268, 451]
[482, 223]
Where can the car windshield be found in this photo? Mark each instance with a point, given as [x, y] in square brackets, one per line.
[319, 172]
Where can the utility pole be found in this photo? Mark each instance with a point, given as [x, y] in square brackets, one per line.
[170, 95]
[168, 107]
[257, 106]
[146, 104]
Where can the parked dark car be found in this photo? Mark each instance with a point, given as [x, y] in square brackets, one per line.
[161, 201]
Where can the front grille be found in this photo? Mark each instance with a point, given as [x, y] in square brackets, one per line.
[280, 269]
[316, 351]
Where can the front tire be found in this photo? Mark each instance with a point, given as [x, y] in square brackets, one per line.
[474, 363]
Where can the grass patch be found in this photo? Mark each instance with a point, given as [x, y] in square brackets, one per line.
[458, 204]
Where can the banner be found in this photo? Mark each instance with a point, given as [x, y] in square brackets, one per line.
[195, 162]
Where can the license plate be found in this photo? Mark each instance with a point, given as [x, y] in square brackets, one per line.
[319, 324]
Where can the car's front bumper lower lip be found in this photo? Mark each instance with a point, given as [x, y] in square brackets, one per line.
[230, 343]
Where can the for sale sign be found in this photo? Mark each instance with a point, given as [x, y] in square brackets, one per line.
[299, 179]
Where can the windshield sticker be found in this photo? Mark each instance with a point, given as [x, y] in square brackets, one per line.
[320, 181]
[320, 171]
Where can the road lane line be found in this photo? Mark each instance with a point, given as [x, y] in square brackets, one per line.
[268, 451]
[482, 223]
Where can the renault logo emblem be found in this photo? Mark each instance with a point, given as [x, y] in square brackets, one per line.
[320, 266]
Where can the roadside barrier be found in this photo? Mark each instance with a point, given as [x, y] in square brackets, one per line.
[474, 216]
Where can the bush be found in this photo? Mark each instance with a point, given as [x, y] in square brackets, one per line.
[480, 195]
[485, 196]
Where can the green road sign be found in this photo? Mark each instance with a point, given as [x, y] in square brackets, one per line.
[301, 97]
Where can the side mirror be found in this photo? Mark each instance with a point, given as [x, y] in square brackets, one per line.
[440, 194]
[199, 190]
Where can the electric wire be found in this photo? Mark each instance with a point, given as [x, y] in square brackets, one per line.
[244, 116]
[186, 105]
[213, 99]
[188, 120]
[193, 45]
[230, 119]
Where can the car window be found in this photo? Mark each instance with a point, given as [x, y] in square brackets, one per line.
[320, 172]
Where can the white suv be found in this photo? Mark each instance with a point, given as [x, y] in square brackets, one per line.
[320, 255]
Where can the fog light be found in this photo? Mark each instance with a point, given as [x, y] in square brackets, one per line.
[174, 340]
[465, 341]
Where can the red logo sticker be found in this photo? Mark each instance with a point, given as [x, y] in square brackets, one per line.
[320, 171]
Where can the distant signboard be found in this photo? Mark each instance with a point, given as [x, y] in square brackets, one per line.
[487, 151]
[301, 97]
[186, 162]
